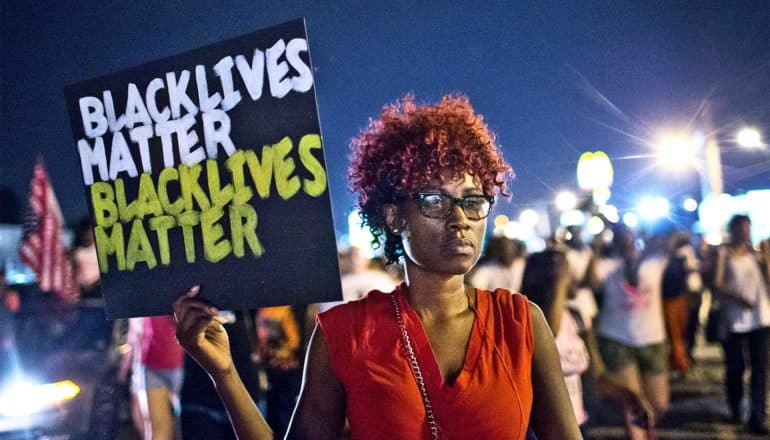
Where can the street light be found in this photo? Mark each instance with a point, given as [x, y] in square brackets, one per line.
[749, 137]
[677, 150]
[689, 204]
[653, 208]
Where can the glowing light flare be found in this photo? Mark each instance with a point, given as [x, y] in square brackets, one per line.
[565, 200]
[689, 204]
[749, 137]
[678, 150]
[513, 230]
[572, 217]
[631, 220]
[359, 236]
[594, 171]
[595, 225]
[653, 208]
[714, 238]
[501, 220]
[715, 211]
[25, 398]
[529, 217]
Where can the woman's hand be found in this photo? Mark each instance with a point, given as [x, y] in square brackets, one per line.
[200, 332]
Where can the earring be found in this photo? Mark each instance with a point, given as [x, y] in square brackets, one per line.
[395, 230]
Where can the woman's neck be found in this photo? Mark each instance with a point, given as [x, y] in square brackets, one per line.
[435, 296]
[739, 247]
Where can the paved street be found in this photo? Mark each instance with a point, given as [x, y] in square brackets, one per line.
[697, 408]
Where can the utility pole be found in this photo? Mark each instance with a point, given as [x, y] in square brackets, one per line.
[711, 180]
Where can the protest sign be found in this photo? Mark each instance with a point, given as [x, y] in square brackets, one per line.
[207, 168]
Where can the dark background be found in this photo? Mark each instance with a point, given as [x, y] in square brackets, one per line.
[553, 78]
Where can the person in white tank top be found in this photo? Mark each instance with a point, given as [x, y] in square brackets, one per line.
[549, 282]
[631, 328]
[743, 289]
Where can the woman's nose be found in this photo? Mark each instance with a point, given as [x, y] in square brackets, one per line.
[457, 219]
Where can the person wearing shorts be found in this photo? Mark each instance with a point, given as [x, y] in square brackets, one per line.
[158, 377]
[650, 359]
[631, 328]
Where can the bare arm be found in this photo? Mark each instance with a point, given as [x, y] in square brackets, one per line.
[199, 330]
[245, 417]
[552, 413]
[320, 411]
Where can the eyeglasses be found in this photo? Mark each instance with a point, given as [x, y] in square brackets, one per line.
[438, 204]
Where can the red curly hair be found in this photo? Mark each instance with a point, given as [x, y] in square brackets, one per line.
[412, 145]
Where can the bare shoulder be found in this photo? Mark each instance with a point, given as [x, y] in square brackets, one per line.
[535, 311]
[540, 328]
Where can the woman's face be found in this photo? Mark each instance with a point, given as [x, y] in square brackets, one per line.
[450, 245]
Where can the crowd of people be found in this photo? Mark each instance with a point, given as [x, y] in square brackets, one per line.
[425, 342]
[624, 311]
[635, 301]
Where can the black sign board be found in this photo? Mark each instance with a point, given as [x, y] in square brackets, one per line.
[207, 168]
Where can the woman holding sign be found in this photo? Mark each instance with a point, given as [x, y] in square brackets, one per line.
[435, 358]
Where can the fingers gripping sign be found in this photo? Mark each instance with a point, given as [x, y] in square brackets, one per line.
[200, 332]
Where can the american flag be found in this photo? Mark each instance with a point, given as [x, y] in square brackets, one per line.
[41, 247]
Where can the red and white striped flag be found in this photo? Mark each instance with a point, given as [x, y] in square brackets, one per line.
[41, 247]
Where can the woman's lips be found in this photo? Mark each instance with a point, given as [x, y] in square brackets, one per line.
[460, 245]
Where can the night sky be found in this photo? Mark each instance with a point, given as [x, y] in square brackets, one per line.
[552, 79]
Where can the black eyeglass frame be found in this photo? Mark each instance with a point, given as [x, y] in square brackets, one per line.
[454, 201]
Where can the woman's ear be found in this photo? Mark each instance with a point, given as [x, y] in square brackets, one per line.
[392, 222]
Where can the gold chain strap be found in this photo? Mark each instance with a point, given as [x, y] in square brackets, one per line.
[432, 425]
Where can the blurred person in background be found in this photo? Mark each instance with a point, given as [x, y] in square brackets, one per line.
[764, 257]
[695, 320]
[550, 283]
[130, 367]
[742, 285]
[279, 352]
[364, 276]
[502, 267]
[358, 276]
[681, 285]
[93, 329]
[631, 328]
[203, 414]
[159, 375]
[581, 259]
[85, 261]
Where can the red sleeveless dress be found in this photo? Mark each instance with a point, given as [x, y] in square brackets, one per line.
[490, 399]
